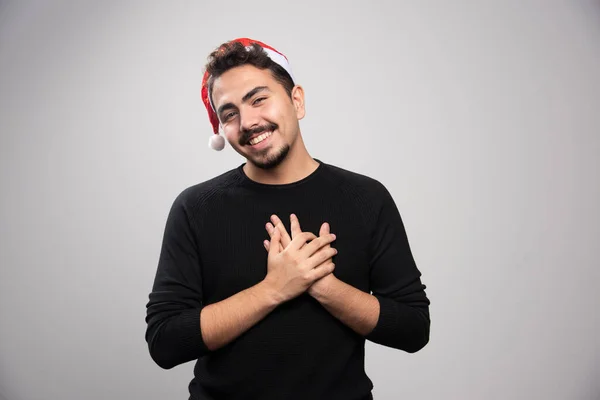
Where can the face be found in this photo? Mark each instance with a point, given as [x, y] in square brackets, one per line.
[258, 118]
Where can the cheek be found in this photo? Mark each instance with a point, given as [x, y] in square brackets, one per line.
[231, 128]
[277, 115]
[231, 133]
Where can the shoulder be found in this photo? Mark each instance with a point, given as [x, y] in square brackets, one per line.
[366, 194]
[366, 188]
[195, 197]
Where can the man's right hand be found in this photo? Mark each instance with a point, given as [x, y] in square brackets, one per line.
[293, 269]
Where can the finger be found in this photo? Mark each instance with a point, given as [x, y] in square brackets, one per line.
[274, 244]
[324, 230]
[322, 256]
[266, 244]
[321, 271]
[270, 229]
[295, 225]
[285, 237]
[316, 244]
[301, 239]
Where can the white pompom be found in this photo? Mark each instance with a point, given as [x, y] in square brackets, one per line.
[216, 142]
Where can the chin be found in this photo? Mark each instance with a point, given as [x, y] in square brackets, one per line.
[271, 158]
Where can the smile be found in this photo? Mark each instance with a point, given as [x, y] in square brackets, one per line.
[260, 138]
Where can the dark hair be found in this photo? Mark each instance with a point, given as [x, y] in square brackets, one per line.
[235, 54]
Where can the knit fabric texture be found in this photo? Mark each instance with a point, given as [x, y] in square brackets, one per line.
[213, 248]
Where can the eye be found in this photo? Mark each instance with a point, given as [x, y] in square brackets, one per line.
[258, 101]
[228, 116]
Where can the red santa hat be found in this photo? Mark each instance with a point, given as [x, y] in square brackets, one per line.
[217, 142]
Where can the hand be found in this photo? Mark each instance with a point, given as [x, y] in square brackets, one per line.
[292, 268]
[320, 284]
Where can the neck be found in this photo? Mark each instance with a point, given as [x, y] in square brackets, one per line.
[296, 166]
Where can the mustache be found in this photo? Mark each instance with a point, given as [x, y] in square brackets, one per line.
[247, 133]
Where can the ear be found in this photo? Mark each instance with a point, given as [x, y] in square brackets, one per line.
[298, 101]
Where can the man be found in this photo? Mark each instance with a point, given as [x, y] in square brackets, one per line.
[286, 318]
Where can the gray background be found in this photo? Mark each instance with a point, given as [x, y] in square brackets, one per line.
[481, 117]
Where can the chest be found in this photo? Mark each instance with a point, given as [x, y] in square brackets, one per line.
[234, 258]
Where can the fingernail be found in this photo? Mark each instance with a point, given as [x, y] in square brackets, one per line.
[333, 235]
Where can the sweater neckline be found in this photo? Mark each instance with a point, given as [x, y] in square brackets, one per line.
[307, 178]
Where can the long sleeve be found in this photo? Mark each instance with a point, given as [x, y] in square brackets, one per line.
[395, 281]
[173, 329]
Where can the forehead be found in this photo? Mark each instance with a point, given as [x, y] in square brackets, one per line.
[232, 85]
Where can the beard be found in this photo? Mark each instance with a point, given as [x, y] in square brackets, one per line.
[267, 158]
[266, 161]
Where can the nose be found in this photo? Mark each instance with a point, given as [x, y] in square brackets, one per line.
[249, 118]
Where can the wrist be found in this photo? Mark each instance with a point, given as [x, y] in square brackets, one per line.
[322, 289]
[269, 293]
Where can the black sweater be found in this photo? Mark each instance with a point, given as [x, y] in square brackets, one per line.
[212, 248]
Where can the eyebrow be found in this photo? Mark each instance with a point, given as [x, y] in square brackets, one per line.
[246, 97]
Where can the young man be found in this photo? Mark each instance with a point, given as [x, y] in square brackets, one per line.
[272, 310]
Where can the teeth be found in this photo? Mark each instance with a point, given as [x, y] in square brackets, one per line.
[260, 138]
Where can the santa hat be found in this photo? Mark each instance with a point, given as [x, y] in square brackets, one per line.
[217, 142]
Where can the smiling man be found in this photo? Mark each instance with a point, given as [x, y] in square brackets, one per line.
[272, 275]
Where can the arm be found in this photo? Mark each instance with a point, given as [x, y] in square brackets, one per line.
[224, 321]
[356, 309]
[396, 322]
[353, 307]
[180, 328]
[290, 272]
[361, 311]
[397, 313]
[395, 281]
